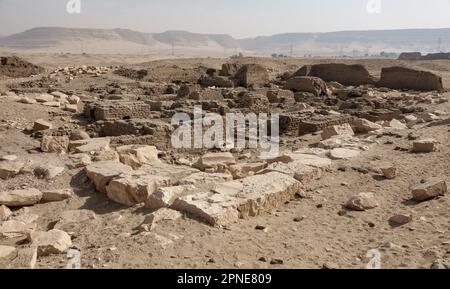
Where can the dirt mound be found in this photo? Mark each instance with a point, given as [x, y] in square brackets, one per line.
[406, 78]
[342, 73]
[16, 67]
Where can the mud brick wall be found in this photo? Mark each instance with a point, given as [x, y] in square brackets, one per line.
[122, 110]
[289, 123]
[380, 114]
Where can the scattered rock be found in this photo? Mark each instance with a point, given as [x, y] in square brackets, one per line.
[425, 146]
[337, 130]
[138, 155]
[57, 195]
[400, 220]
[51, 242]
[164, 197]
[20, 198]
[40, 125]
[9, 169]
[363, 126]
[389, 172]
[396, 124]
[362, 202]
[55, 144]
[134, 188]
[431, 189]
[102, 173]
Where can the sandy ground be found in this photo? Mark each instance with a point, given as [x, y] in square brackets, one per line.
[305, 233]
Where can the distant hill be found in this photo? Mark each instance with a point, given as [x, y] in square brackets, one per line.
[77, 40]
[358, 43]
[373, 41]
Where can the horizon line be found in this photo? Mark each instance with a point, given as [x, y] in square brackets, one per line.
[254, 37]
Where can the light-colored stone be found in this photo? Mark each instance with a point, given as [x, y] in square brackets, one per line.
[432, 189]
[48, 171]
[57, 195]
[364, 126]
[102, 156]
[138, 155]
[343, 154]
[164, 197]
[215, 162]
[20, 198]
[241, 171]
[5, 212]
[101, 173]
[362, 202]
[396, 124]
[9, 169]
[15, 229]
[425, 145]
[42, 98]
[55, 144]
[343, 129]
[299, 171]
[80, 161]
[134, 188]
[40, 125]
[239, 199]
[51, 242]
[154, 218]
[90, 145]
[410, 119]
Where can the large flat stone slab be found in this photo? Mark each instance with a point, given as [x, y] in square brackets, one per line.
[134, 188]
[232, 200]
[101, 173]
[19, 198]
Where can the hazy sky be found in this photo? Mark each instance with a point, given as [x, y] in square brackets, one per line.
[239, 18]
